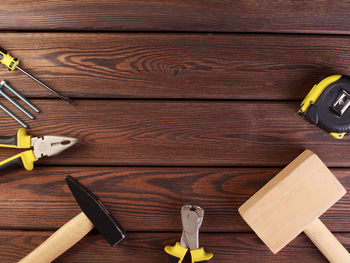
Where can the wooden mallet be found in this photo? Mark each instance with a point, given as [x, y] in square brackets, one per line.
[292, 202]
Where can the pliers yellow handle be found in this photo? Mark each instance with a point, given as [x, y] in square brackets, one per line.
[44, 146]
[192, 218]
[177, 254]
[24, 159]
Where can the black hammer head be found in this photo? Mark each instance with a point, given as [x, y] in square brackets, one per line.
[96, 212]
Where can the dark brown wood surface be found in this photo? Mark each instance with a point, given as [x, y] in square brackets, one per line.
[174, 102]
[145, 199]
[320, 16]
[148, 247]
[181, 133]
[180, 66]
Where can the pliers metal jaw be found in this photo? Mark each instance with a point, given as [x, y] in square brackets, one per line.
[192, 218]
[42, 146]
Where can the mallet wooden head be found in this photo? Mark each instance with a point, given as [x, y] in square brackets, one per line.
[292, 202]
[94, 214]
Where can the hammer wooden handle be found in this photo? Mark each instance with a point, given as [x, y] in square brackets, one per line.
[60, 241]
[327, 243]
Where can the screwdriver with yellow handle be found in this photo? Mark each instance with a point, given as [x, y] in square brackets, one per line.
[12, 63]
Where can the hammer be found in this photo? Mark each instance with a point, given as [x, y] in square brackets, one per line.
[292, 202]
[94, 214]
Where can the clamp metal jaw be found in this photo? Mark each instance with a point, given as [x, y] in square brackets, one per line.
[192, 218]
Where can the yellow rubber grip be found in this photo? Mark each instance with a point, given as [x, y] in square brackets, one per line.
[27, 158]
[21, 141]
[177, 251]
[337, 135]
[316, 91]
[9, 61]
[199, 255]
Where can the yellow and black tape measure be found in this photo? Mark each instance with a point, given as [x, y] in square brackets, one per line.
[328, 105]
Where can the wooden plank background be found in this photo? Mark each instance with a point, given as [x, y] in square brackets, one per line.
[178, 133]
[177, 66]
[174, 102]
[319, 16]
[145, 198]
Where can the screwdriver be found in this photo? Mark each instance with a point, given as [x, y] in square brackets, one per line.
[12, 63]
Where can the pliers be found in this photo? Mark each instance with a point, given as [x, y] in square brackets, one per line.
[192, 218]
[42, 146]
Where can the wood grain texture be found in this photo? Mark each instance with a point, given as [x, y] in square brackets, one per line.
[304, 16]
[180, 133]
[145, 199]
[120, 137]
[197, 66]
[148, 247]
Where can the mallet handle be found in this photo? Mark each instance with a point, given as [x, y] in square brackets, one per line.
[326, 242]
[60, 241]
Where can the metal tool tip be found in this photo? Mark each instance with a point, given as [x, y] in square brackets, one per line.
[68, 178]
[73, 141]
[64, 98]
[68, 100]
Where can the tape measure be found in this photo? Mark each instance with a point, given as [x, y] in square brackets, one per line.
[328, 105]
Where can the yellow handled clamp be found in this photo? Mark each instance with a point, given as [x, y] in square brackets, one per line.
[192, 218]
[12, 63]
[42, 146]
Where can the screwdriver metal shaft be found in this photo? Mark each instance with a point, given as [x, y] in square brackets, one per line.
[30, 116]
[44, 85]
[15, 92]
[12, 63]
[13, 116]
